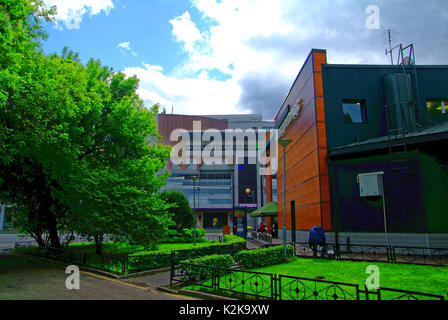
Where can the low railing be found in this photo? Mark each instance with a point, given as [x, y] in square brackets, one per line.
[297, 288]
[379, 253]
[397, 294]
[281, 287]
[420, 255]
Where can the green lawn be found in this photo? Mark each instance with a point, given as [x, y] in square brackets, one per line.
[428, 279]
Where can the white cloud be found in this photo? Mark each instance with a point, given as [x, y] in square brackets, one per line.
[262, 44]
[188, 95]
[127, 47]
[222, 47]
[71, 12]
[186, 31]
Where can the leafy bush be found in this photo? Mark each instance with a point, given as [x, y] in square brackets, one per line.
[215, 260]
[197, 271]
[230, 244]
[263, 257]
[186, 236]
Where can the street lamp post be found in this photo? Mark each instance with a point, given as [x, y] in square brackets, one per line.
[284, 143]
[251, 196]
[194, 178]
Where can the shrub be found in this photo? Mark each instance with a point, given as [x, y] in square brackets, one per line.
[215, 260]
[249, 259]
[197, 271]
[186, 236]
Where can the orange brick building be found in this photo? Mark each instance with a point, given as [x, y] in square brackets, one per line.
[307, 183]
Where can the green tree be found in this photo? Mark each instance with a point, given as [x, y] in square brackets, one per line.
[180, 209]
[75, 151]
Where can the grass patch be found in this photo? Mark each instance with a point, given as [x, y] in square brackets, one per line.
[427, 279]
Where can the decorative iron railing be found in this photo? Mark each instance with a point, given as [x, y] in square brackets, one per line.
[281, 287]
[378, 253]
[397, 294]
[296, 288]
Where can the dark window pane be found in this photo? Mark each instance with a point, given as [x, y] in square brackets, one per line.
[353, 112]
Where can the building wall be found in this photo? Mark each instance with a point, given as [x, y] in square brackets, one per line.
[306, 166]
[166, 123]
[404, 202]
[366, 83]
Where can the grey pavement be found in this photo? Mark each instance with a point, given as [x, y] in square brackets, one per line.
[22, 278]
[8, 239]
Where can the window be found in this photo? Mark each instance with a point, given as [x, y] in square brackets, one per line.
[436, 107]
[354, 111]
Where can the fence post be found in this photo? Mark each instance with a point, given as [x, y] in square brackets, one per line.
[275, 287]
[214, 279]
[172, 268]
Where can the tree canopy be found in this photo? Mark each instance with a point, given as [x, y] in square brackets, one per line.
[75, 151]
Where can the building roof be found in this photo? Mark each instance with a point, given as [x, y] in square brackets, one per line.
[435, 132]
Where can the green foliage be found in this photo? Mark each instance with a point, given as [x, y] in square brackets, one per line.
[263, 257]
[185, 236]
[215, 260]
[180, 209]
[75, 154]
[230, 238]
[197, 271]
[233, 244]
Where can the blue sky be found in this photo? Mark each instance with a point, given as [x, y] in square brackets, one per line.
[144, 24]
[238, 56]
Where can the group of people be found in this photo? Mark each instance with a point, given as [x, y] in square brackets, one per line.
[263, 229]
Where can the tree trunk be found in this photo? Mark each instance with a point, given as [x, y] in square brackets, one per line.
[99, 244]
[52, 229]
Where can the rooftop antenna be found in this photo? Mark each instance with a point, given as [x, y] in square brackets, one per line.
[389, 39]
[172, 109]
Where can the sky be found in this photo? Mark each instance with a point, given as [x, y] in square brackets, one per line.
[239, 56]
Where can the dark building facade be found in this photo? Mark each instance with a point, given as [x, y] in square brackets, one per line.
[354, 120]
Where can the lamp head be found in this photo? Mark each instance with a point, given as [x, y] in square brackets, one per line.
[284, 142]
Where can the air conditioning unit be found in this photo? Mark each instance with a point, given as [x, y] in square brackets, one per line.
[370, 184]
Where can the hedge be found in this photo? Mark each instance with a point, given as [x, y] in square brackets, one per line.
[256, 258]
[173, 236]
[197, 272]
[231, 244]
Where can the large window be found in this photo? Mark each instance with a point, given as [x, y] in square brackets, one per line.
[437, 107]
[354, 111]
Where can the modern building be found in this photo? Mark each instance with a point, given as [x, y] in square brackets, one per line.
[222, 196]
[367, 156]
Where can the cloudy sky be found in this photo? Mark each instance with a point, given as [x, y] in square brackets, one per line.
[239, 56]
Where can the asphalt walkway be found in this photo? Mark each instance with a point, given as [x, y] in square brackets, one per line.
[22, 278]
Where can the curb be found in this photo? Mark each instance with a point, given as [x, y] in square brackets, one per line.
[202, 295]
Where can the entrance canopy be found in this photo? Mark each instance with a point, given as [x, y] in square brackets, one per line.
[268, 210]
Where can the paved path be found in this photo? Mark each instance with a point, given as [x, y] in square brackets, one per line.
[25, 279]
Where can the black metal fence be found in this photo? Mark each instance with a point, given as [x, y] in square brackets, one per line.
[379, 253]
[281, 287]
[123, 264]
